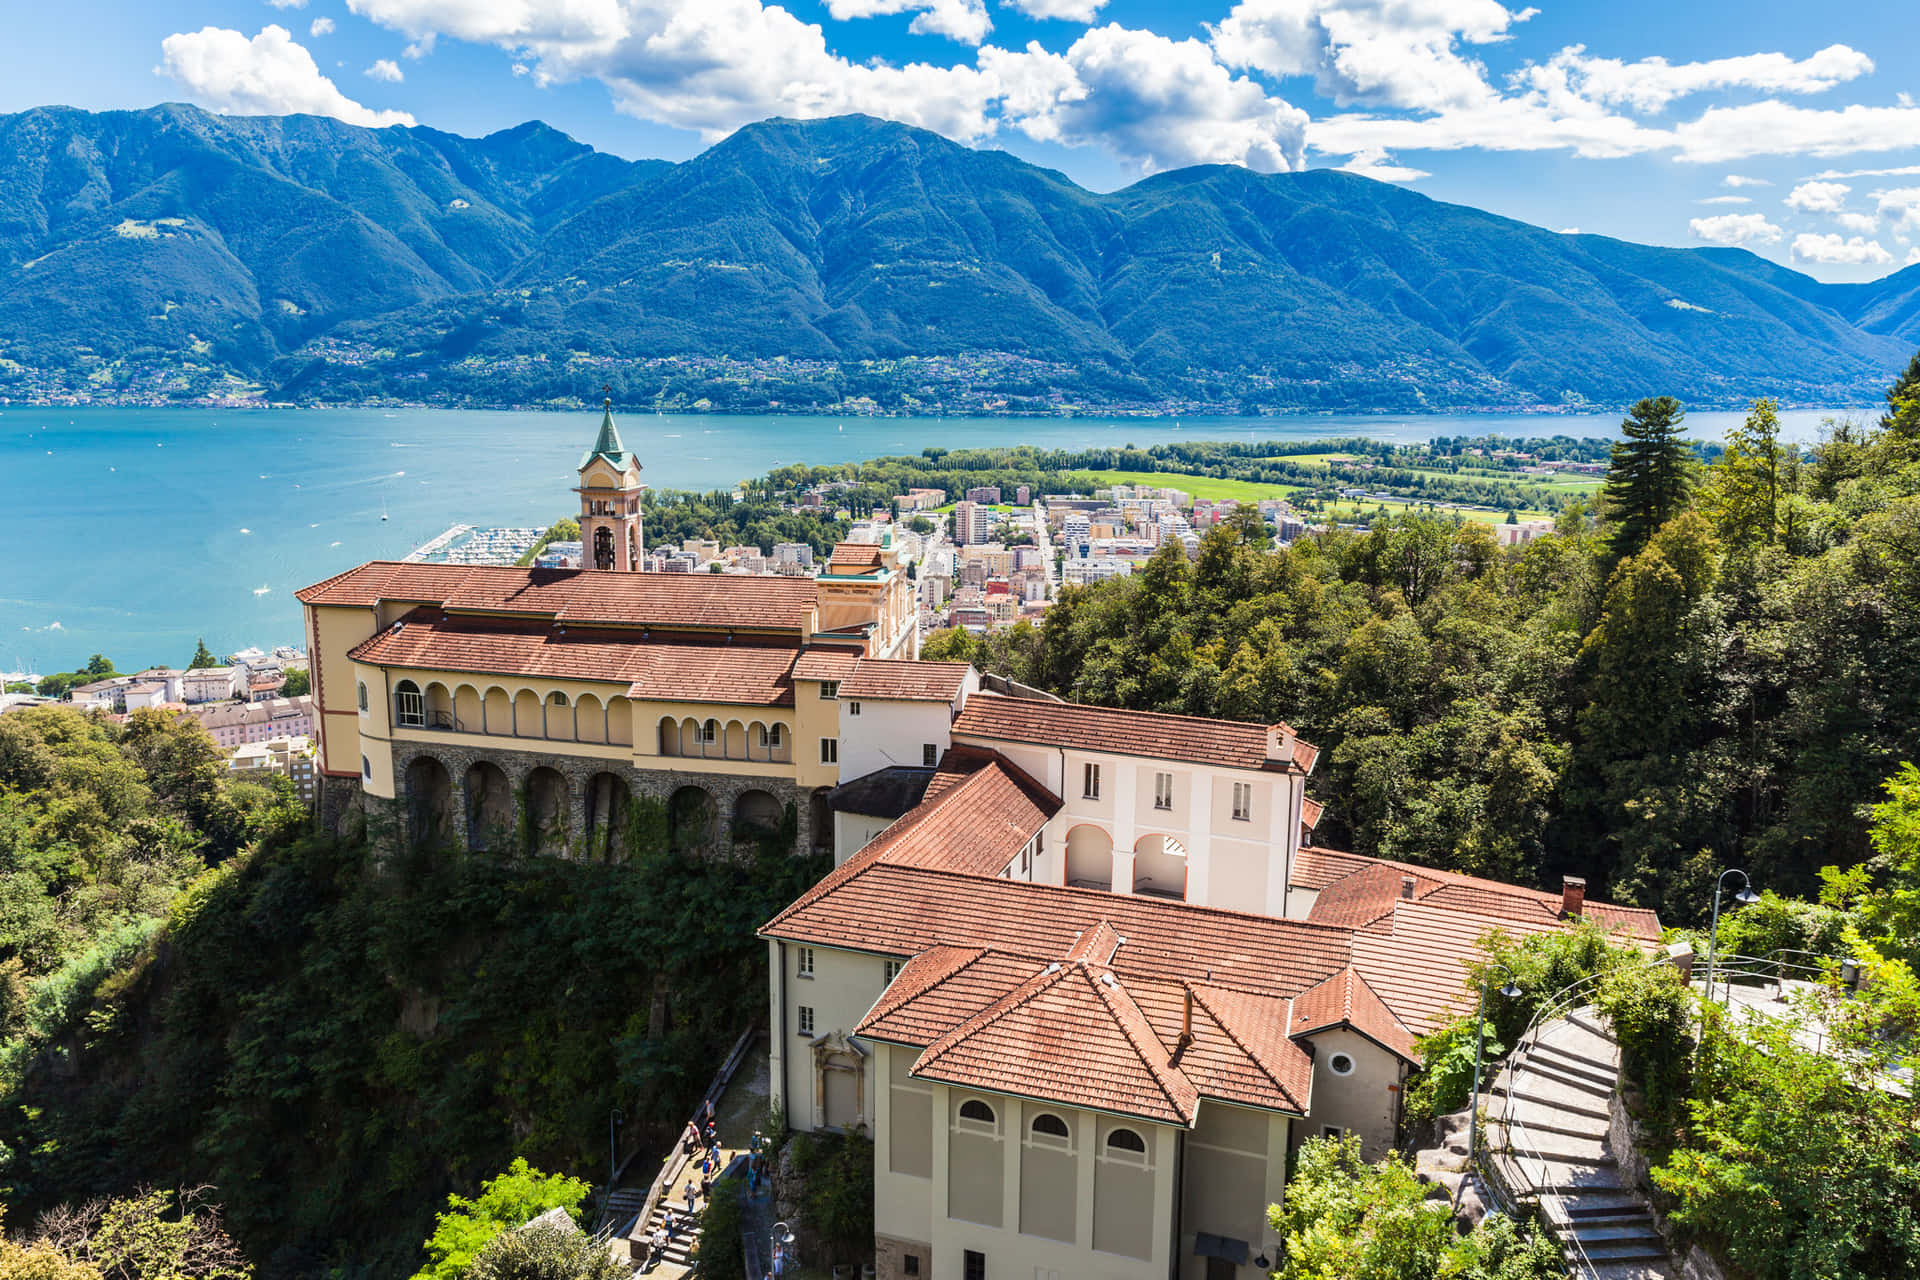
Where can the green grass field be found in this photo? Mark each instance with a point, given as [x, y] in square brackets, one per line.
[1361, 510]
[1204, 487]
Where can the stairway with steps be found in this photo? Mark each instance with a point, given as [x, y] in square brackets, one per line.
[679, 1251]
[1546, 1135]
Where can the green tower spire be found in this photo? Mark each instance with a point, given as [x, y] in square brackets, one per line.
[608, 445]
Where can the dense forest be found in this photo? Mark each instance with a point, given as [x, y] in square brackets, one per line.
[1714, 665]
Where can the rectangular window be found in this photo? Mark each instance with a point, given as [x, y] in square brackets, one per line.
[710, 731]
[1243, 802]
[413, 707]
[1163, 791]
[829, 751]
[910, 1264]
[1026, 861]
[890, 969]
[363, 695]
[853, 708]
[975, 1266]
[803, 964]
[829, 689]
[1092, 788]
[806, 1019]
[929, 754]
[1333, 1131]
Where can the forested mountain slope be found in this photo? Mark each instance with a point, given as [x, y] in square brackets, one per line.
[158, 252]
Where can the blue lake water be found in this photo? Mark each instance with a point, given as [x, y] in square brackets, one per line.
[133, 531]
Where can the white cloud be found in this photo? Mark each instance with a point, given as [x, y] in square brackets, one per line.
[1650, 84]
[962, 20]
[1735, 228]
[420, 48]
[1377, 164]
[1863, 222]
[1726, 200]
[1818, 197]
[1064, 10]
[521, 68]
[288, 4]
[1770, 128]
[386, 69]
[1739, 180]
[1913, 255]
[1901, 206]
[1905, 170]
[1808, 247]
[1569, 231]
[321, 27]
[267, 75]
[1903, 99]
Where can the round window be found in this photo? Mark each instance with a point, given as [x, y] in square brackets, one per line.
[1340, 1064]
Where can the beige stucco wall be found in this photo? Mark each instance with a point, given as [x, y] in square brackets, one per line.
[1366, 1102]
[843, 987]
[1235, 1167]
[333, 632]
[814, 718]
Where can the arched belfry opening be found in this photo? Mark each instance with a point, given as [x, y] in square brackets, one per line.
[610, 501]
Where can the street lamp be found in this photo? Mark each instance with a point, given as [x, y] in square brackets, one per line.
[615, 1119]
[1510, 991]
[780, 1238]
[1745, 895]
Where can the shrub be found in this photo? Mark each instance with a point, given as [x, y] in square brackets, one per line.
[545, 1252]
[1445, 1083]
[517, 1196]
[720, 1251]
[1652, 1015]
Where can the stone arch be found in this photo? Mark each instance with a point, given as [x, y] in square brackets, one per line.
[1089, 857]
[820, 821]
[734, 740]
[620, 721]
[609, 804]
[439, 706]
[670, 736]
[429, 803]
[489, 808]
[756, 815]
[590, 718]
[1160, 867]
[496, 712]
[529, 716]
[549, 800]
[692, 820]
[468, 709]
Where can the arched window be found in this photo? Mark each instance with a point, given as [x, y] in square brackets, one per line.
[412, 708]
[1128, 1141]
[1048, 1125]
[366, 769]
[557, 698]
[710, 731]
[976, 1110]
[770, 735]
[363, 695]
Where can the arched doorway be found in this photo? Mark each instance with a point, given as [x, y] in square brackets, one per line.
[756, 816]
[608, 807]
[691, 820]
[489, 809]
[1089, 858]
[1160, 867]
[547, 798]
[429, 803]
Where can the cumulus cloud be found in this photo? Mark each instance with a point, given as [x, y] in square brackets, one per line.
[1818, 197]
[1651, 84]
[1858, 251]
[1735, 228]
[1720, 134]
[288, 4]
[267, 75]
[1737, 180]
[1726, 200]
[1064, 10]
[386, 69]
[321, 27]
[1377, 164]
[1863, 222]
[1901, 207]
[1913, 255]
[962, 20]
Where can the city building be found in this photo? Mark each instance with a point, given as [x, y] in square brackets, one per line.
[212, 684]
[987, 495]
[1514, 535]
[235, 724]
[291, 757]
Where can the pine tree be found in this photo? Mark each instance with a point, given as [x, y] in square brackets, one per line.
[202, 656]
[1649, 474]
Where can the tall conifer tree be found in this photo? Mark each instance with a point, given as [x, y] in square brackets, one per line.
[1649, 474]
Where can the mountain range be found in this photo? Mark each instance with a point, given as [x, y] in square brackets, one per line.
[170, 253]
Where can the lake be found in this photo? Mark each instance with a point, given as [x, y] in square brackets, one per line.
[131, 532]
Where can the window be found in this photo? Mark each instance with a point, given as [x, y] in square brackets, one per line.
[1026, 860]
[1126, 1140]
[363, 696]
[803, 965]
[977, 1116]
[1243, 802]
[710, 731]
[1092, 788]
[890, 969]
[910, 1264]
[974, 1266]
[829, 689]
[829, 751]
[770, 735]
[853, 708]
[806, 1019]
[1049, 1126]
[557, 698]
[412, 707]
[1163, 791]
[366, 769]
[1340, 1064]
[1333, 1131]
[929, 754]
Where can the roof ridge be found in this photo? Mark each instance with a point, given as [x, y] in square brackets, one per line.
[897, 994]
[969, 1027]
[1132, 1020]
[1374, 991]
[1225, 1023]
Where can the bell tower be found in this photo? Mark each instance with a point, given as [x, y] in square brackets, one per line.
[609, 492]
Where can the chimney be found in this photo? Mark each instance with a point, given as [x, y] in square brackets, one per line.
[1573, 896]
[1406, 887]
[1186, 1020]
[1279, 743]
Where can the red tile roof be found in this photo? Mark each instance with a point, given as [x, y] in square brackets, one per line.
[890, 680]
[1310, 811]
[579, 596]
[1345, 1000]
[1316, 868]
[824, 663]
[1418, 965]
[856, 557]
[1228, 743]
[738, 674]
[1365, 896]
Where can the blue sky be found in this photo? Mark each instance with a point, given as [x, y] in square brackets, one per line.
[1791, 130]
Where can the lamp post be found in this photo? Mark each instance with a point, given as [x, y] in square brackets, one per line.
[1745, 895]
[1510, 990]
[780, 1237]
[615, 1119]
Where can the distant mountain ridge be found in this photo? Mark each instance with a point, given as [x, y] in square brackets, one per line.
[171, 253]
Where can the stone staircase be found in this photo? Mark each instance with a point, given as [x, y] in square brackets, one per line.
[677, 1257]
[1547, 1137]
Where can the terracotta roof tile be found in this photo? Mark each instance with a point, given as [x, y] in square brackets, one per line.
[886, 679]
[1310, 811]
[1418, 964]
[1316, 868]
[856, 557]
[826, 663]
[1228, 743]
[1257, 1026]
[579, 596]
[1367, 893]
[1346, 1000]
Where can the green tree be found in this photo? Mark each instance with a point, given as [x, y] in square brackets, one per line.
[299, 684]
[19, 686]
[1743, 491]
[1649, 475]
[202, 656]
[99, 665]
[517, 1196]
[544, 1251]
